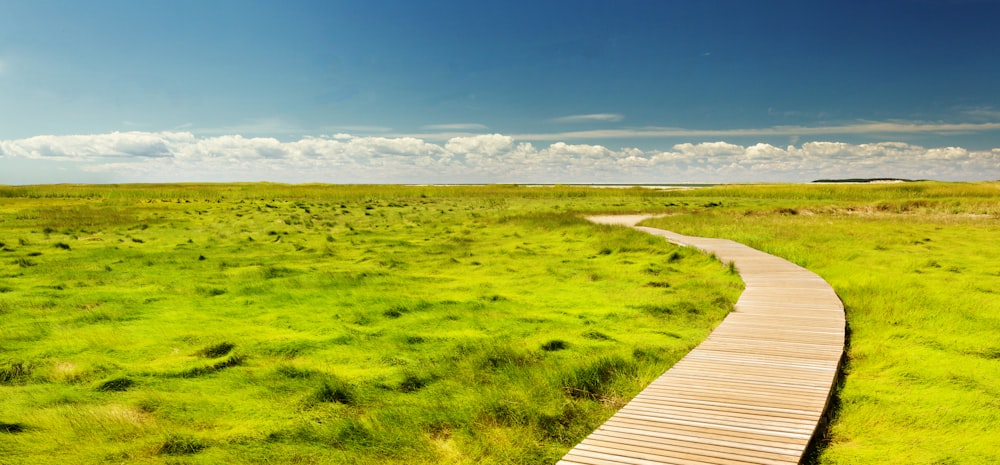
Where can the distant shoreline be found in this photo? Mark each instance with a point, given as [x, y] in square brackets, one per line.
[865, 181]
[598, 185]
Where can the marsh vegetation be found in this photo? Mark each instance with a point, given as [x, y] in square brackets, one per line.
[917, 266]
[266, 323]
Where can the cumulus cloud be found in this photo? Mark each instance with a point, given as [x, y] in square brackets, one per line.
[589, 118]
[486, 158]
[97, 146]
[480, 146]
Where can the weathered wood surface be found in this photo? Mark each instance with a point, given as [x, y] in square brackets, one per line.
[753, 392]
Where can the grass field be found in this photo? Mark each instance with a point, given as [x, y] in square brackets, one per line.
[261, 323]
[918, 268]
[265, 323]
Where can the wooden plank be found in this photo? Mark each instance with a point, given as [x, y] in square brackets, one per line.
[753, 392]
[703, 434]
[690, 456]
[711, 406]
[724, 414]
[638, 443]
[771, 423]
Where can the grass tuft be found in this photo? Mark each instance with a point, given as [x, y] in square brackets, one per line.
[14, 372]
[395, 312]
[498, 357]
[210, 291]
[216, 350]
[562, 427]
[659, 310]
[555, 345]
[288, 349]
[116, 385]
[597, 380]
[414, 382]
[274, 271]
[597, 336]
[334, 390]
[180, 445]
[293, 372]
[643, 354]
[352, 434]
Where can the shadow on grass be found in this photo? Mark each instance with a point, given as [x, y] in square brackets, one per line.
[822, 437]
[12, 428]
[232, 361]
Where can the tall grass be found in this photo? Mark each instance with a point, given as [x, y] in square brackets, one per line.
[917, 271]
[264, 323]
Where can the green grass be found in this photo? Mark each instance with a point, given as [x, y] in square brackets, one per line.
[918, 268]
[265, 323]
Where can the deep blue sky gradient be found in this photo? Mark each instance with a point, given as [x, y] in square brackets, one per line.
[506, 65]
[311, 68]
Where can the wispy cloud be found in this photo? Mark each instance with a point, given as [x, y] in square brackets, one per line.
[455, 127]
[847, 129]
[360, 128]
[260, 126]
[983, 113]
[590, 118]
[490, 158]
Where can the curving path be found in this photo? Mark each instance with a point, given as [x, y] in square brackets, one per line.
[754, 392]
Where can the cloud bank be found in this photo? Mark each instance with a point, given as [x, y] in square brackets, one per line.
[489, 158]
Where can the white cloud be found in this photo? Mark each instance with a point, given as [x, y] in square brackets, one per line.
[480, 146]
[590, 118]
[487, 158]
[561, 151]
[96, 146]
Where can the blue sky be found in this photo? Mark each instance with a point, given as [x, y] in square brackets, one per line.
[458, 91]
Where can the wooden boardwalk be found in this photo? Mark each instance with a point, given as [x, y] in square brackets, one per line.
[753, 392]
